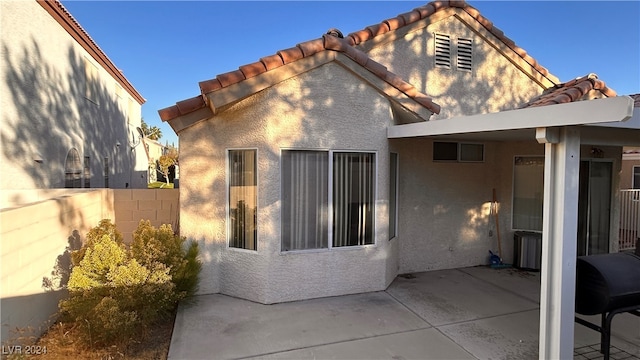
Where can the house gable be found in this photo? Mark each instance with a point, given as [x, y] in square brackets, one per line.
[228, 88]
[484, 71]
[488, 72]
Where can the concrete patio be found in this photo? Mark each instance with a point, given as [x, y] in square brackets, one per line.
[469, 313]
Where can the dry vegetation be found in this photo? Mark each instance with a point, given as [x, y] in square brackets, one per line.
[61, 342]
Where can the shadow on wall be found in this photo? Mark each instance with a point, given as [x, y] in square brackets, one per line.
[25, 318]
[59, 109]
[490, 86]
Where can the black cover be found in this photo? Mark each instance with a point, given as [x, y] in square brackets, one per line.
[607, 282]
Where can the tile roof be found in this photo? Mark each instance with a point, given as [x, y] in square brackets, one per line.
[306, 49]
[636, 100]
[328, 42]
[431, 8]
[73, 27]
[570, 91]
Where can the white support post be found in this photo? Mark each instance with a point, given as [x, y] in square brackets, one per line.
[559, 245]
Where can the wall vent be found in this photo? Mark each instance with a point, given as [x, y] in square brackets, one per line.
[465, 54]
[443, 51]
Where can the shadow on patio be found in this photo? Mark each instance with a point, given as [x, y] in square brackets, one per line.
[468, 313]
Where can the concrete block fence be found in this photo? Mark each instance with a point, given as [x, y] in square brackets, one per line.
[37, 229]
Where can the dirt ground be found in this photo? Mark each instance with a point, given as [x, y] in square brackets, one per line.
[61, 342]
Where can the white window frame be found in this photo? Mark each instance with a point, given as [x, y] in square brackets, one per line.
[227, 198]
[633, 177]
[330, 246]
[459, 151]
[513, 188]
[397, 179]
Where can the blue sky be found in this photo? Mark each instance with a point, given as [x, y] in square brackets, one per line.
[165, 48]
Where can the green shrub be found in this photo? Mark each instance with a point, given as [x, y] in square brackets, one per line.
[154, 247]
[117, 292]
[105, 227]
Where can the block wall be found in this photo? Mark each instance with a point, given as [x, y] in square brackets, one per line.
[160, 206]
[36, 237]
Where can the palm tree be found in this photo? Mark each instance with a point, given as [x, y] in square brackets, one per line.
[153, 132]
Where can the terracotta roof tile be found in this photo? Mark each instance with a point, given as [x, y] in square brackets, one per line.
[362, 35]
[395, 23]
[272, 61]
[309, 48]
[253, 69]
[378, 29]
[169, 113]
[426, 10]
[182, 108]
[291, 54]
[356, 38]
[82, 37]
[230, 78]
[346, 46]
[573, 90]
[209, 85]
[192, 104]
[410, 17]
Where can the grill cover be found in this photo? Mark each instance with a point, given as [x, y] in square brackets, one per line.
[607, 282]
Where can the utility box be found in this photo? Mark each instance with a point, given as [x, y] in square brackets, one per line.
[527, 250]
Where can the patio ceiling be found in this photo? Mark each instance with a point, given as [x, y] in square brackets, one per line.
[602, 121]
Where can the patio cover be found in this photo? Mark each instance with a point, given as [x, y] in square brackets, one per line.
[562, 128]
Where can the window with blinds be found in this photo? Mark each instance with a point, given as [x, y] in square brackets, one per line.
[243, 199]
[328, 199]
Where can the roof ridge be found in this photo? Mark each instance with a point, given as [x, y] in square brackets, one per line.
[422, 12]
[570, 91]
[60, 13]
[328, 42]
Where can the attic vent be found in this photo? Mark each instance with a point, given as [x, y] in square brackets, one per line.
[465, 54]
[443, 51]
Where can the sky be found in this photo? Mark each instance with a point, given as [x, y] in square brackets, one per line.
[165, 48]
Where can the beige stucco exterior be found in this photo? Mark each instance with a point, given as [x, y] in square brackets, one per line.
[444, 218]
[56, 96]
[500, 79]
[326, 109]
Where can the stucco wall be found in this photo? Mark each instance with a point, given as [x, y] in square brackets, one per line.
[40, 227]
[49, 106]
[326, 108]
[34, 238]
[495, 84]
[626, 174]
[445, 217]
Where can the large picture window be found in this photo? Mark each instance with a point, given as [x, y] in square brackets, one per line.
[243, 199]
[305, 200]
[307, 179]
[528, 192]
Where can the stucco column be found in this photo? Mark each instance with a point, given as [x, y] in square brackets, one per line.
[559, 242]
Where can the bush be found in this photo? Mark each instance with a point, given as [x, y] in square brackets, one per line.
[161, 247]
[117, 292]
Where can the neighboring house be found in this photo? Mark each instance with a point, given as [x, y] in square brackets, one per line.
[630, 174]
[69, 115]
[155, 150]
[326, 169]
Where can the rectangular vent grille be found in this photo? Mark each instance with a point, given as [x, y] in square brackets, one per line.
[443, 51]
[465, 54]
